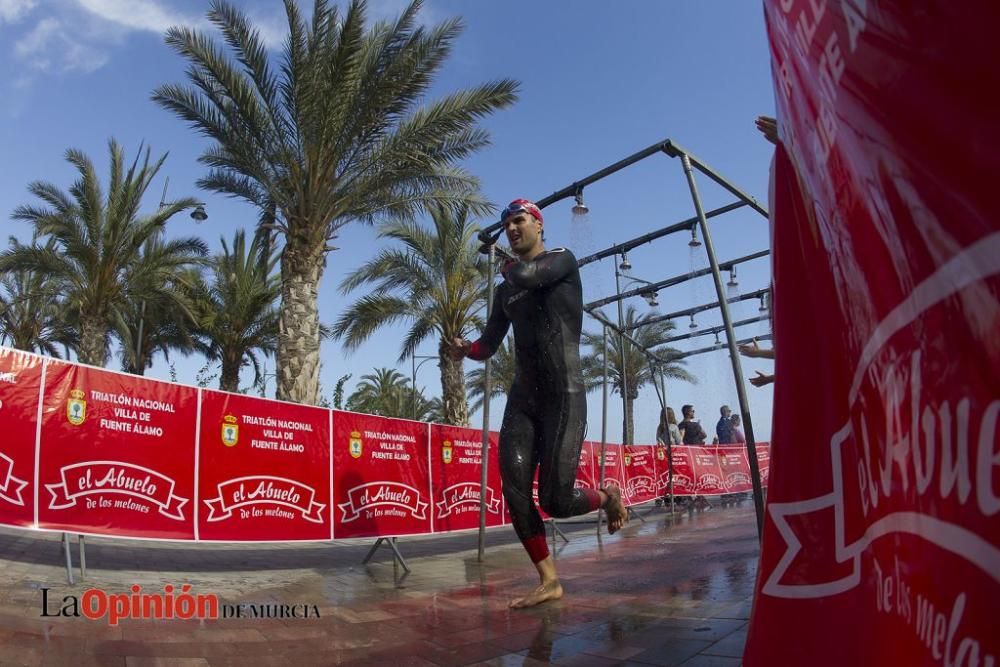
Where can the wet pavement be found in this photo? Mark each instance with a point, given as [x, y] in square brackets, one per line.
[671, 591]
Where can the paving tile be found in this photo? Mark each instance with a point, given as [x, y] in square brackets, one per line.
[670, 652]
[731, 645]
[702, 660]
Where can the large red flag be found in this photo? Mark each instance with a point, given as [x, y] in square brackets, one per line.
[882, 534]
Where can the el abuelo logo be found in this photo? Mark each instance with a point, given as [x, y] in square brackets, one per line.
[357, 445]
[446, 451]
[640, 484]
[463, 497]
[116, 478]
[278, 492]
[397, 500]
[230, 431]
[76, 407]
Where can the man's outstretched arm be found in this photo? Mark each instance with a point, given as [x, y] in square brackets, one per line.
[488, 343]
[752, 349]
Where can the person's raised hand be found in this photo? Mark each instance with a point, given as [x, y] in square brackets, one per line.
[507, 266]
[761, 379]
[768, 127]
[751, 349]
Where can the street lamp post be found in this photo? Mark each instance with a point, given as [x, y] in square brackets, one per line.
[199, 216]
[413, 379]
[622, 380]
[265, 376]
[650, 297]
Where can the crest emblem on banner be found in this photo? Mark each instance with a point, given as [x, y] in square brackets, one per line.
[446, 451]
[76, 408]
[660, 453]
[628, 459]
[357, 446]
[230, 431]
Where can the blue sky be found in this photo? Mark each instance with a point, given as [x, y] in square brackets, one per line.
[599, 81]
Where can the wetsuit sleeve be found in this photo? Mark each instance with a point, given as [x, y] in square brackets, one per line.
[496, 328]
[548, 268]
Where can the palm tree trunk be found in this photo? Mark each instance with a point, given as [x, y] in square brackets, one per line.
[629, 424]
[93, 341]
[230, 378]
[298, 334]
[455, 408]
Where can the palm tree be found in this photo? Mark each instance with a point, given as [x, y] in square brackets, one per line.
[382, 392]
[151, 326]
[436, 282]
[32, 314]
[502, 371]
[637, 372]
[237, 314]
[335, 134]
[155, 318]
[97, 243]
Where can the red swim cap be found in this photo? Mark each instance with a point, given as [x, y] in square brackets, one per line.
[522, 205]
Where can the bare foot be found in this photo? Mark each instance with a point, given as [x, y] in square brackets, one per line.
[545, 592]
[617, 515]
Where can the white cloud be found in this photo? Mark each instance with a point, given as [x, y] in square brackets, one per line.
[156, 17]
[50, 47]
[12, 11]
[136, 14]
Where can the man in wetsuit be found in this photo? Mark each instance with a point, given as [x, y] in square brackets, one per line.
[546, 413]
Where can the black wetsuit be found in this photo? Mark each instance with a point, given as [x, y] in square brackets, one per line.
[546, 413]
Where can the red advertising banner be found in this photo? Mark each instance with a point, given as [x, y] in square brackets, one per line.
[381, 476]
[114, 461]
[20, 382]
[764, 462]
[710, 470]
[884, 505]
[456, 465]
[614, 473]
[586, 476]
[640, 474]
[734, 468]
[663, 471]
[117, 454]
[263, 470]
[707, 473]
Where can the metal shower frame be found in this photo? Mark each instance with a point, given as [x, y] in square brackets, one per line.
[689, 163]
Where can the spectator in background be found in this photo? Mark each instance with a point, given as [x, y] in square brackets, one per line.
[667, 432]
[724, 429]
[691, 431]
[738, 436]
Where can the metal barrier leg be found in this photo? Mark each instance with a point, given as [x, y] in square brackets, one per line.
[391, 541]
[399, 556]
[83, 558]
[371, 552]
[632, 513]
[557, 531]
[69, 559]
